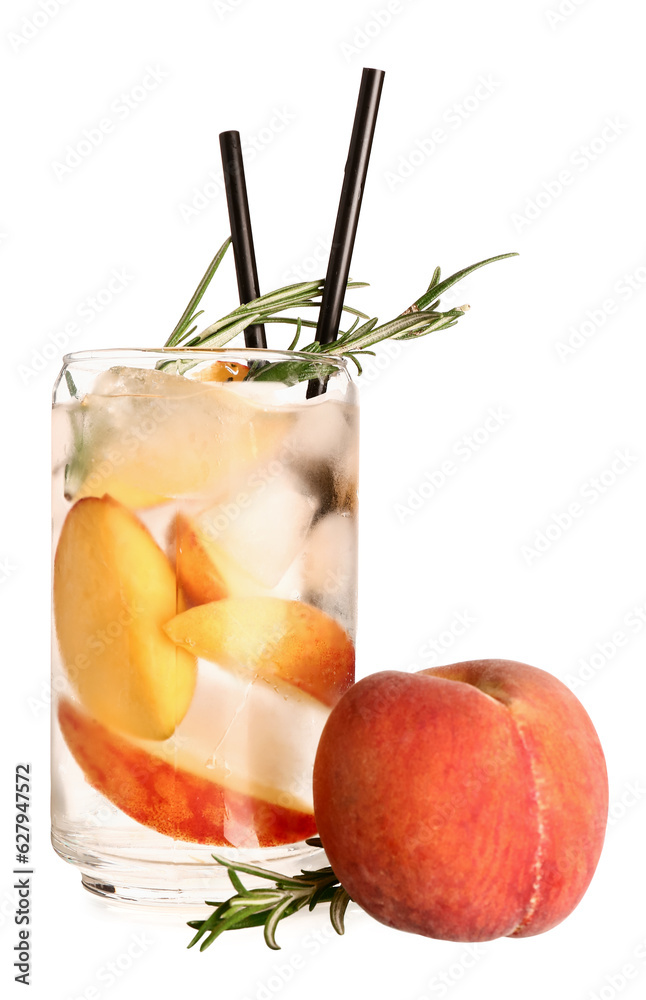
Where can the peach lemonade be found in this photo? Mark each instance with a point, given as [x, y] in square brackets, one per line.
[204, 592]
[204, 588]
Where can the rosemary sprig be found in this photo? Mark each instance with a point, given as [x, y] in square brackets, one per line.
[267, 907]
[421, 318]
[265, 308]
[182, 331]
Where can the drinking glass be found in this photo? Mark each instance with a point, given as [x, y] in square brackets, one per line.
[204, 610]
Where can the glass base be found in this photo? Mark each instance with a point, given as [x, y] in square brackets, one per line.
[156, 882]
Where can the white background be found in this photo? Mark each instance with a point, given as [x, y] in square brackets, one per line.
[553, 84]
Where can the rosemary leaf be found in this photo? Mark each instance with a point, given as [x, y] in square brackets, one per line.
[435, 290]
[338, 906]
[187, 316]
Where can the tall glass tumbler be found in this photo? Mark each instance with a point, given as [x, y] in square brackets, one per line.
[204, 606]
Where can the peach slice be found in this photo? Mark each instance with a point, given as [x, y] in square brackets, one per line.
[113, 590]
[220, 371]
[176, 802]
[271, 637]
[197, 575]
[205, 571]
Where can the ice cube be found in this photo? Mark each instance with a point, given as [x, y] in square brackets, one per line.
[148, 436]
[323, 430]
[261, 531]
[253, 736]
[324, 448]
[329, 568]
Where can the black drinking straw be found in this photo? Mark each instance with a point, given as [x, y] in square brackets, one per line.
[241, 236]
[347, 219]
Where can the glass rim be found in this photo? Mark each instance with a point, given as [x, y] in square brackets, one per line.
[204, 354]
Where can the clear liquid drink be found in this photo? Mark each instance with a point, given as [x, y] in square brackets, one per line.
[204, 605]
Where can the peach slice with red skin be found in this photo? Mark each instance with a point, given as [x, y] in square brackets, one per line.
[465, 802]
[173, 801]
[271, 637]
[113, 590]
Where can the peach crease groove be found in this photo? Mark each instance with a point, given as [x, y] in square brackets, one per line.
[537, 863]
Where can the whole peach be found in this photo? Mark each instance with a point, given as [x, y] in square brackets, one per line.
[465, 802]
